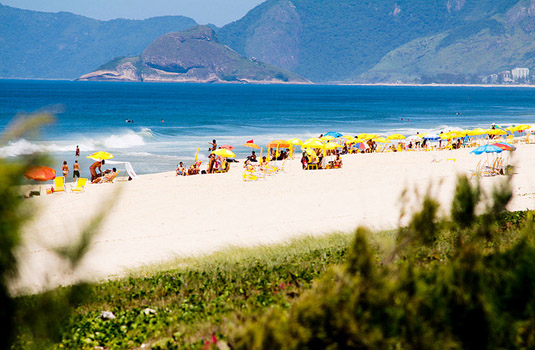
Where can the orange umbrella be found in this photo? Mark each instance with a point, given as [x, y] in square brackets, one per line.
[40, 173]
[252, 145]
[279, 144]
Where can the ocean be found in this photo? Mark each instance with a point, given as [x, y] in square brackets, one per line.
[170, 121]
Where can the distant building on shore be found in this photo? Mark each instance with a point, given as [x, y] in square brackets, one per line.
[505, 77]
[520, 74]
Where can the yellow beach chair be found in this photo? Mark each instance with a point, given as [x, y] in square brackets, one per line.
[80, 185]
[59, 184]
[110, 180]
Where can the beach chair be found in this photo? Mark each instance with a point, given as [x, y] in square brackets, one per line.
[110, 180]
[250, 173]
[312, 166]
[80, 185]
[224, 168]
[59, 184]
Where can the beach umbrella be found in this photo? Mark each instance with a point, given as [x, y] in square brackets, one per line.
[332, 145]
[333, 134]
[432, 137]
[523, 127]
[40, 173]
[327, 138]
[251, 144]
[279, 144]
[100, 155]
[381, 140]
[311, 143]
[414, 138]
[361, 146]
[348, 137]
[487, 149]
[477, 132]
[295, 142]
[223, 152]
[504, 146]
[229, 147]
[396, 137]
[496, 132]
[312, 139]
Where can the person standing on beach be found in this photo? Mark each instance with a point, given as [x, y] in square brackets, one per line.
[93, 169]
[65, 170]
[77, 153]
[75, 170]
[214, 145]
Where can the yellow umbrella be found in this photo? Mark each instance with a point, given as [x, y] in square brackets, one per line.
[368, 136]
[496, 132]
[523, 127]
[332, 145]
[348, 137]
[477, 132]
[381, 140]
[327, 138]
[100, 155]
[312, 144]
[223, 152]
[395, 137]
[312, 139]
[295, 142]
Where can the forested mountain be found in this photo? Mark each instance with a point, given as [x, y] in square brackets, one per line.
[62, 45]
[193, 55]
[383, 40]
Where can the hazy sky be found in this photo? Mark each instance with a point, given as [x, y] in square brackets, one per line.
[218, 12]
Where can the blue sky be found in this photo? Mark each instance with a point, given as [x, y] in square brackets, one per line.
[218, 12]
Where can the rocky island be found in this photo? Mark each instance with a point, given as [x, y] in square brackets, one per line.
[194, 55]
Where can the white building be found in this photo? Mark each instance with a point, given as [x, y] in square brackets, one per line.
[520, 74]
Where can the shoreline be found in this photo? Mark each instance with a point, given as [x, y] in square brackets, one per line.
[161, 217]
[310, 83]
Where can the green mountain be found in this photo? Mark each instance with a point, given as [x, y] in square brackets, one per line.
[194, 55]
[62, 45]
[379, 40]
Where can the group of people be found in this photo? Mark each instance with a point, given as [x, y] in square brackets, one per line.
[321, 161]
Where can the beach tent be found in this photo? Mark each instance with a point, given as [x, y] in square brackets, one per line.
[129, 169]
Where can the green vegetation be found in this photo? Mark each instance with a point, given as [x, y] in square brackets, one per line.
[462, 284]
[341, 40]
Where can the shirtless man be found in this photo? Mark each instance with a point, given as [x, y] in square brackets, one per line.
[93, 169]
[180, 170]
[75, 170]
[214, 145]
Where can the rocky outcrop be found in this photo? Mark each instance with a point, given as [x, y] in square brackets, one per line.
[194, 55]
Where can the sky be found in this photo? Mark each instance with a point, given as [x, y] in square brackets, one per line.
[218, 12]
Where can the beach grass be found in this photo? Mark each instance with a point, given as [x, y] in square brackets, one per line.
[190, 300]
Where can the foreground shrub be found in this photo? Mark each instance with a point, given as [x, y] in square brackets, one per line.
[447, 285]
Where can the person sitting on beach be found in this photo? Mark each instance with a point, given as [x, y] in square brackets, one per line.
[194, 169]
[337, 163]
[65, 170]
[107, 176]
[180, 170]
[75, 170]
[252, 157]
[93, 169]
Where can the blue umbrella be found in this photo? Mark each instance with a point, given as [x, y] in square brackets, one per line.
[487, 149]
[333, 134]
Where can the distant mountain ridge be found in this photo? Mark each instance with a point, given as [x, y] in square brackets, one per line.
[343, 41]
[63, 45]
[193, 55]
[385, 40]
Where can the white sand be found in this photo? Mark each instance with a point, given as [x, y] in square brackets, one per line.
[159, 217]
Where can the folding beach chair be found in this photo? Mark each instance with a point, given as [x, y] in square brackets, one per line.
[80, 185]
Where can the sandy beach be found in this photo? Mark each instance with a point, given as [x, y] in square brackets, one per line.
[159, 217]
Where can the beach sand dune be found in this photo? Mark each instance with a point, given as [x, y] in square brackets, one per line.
[160, 217]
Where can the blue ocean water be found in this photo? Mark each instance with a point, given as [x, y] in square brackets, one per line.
[93, 114]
